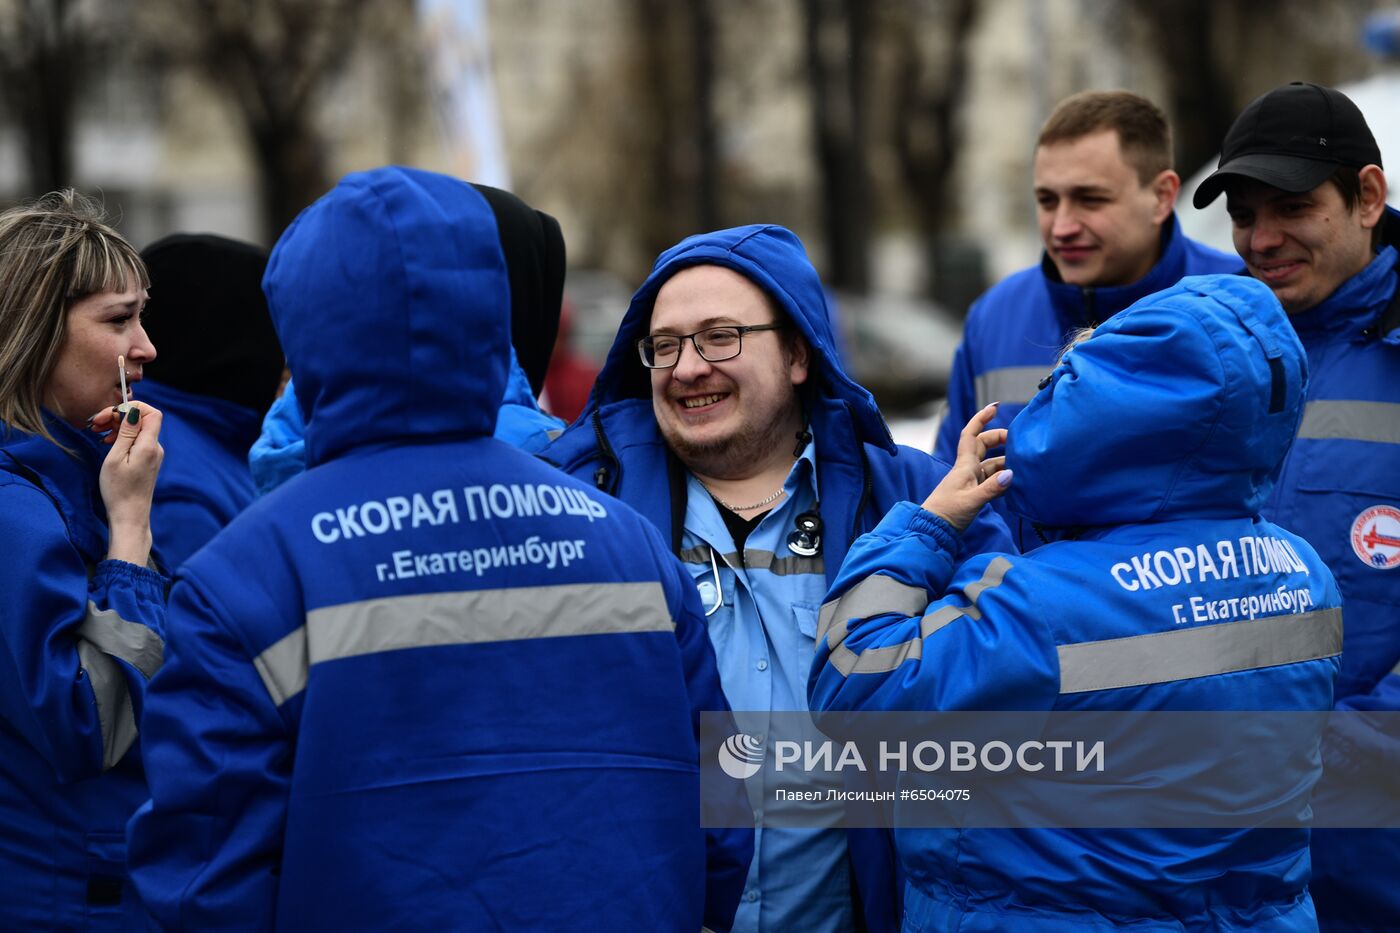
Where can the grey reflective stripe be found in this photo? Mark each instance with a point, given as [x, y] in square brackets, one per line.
[992, 577]
[111, 694]
[1352, 421]
[1396, 669]
[132, 642]
[873, 596]
[1017, 384]
[284, 667]
[1187, 653]
[701, 555]
[780, 566]
[783, 565]
[883, 660]
[460, 618]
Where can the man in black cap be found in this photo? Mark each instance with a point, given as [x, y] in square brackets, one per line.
[1303, 183]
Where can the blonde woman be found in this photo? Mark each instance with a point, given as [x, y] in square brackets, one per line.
[81, 611]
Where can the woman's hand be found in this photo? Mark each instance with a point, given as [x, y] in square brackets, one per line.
[974, 479]
[128, 478]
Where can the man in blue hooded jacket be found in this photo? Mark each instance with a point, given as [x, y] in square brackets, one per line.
[724, 415]
[1147, 455]
[1303, 183]
[1105, 193]
[430, 683]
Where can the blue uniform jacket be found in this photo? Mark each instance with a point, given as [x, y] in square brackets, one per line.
[80, 635]
[1340, 489]
[204, 479]
[860, 473]
[1016, 330]
[430, 683]
[1133, 454]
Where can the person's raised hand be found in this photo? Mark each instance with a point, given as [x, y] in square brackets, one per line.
[975, 478]
[128, 479]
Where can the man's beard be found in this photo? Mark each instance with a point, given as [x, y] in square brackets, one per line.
[738, 454]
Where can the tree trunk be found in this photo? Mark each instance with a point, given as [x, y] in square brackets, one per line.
[836, 71]
[1201, 96]
[40, 72]
[926, 137]
[291, 170]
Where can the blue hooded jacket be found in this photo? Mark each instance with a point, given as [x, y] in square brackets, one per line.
[1135, 453]
[859, 471]
[431, 680]
[79, 636]
[1016, 330]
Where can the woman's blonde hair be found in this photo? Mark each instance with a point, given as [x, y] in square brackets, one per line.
[54, 252]
[1074, 339]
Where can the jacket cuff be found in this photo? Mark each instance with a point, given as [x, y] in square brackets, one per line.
[147, 584]
[944, 535]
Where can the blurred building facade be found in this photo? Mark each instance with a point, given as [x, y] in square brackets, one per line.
[894, 136]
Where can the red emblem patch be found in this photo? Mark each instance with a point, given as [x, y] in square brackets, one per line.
[1375, 537]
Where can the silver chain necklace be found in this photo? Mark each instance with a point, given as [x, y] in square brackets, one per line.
[741, 508]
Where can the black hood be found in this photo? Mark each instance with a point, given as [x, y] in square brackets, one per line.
[209, 321]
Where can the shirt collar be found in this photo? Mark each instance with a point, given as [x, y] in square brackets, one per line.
[804, 470]
[702, 516]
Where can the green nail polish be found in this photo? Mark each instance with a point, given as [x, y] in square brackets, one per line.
[133, 416]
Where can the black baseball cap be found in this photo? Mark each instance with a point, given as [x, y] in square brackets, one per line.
[1293, 138]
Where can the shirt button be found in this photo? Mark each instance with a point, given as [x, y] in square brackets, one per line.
[763, 664]
[751, 896]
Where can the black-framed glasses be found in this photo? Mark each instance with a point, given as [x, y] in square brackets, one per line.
[714, 344]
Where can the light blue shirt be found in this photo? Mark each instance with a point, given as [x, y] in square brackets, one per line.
[764, 637]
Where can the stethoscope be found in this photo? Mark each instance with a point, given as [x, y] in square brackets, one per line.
[805, 541]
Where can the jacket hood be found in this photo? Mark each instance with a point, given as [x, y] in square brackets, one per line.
[1181, 406]
[392, 301]
[772, 258]
[534, 248]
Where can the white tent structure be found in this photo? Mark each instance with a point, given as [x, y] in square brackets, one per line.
[1379, 100]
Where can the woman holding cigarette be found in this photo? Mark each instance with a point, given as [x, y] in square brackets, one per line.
[81, 611]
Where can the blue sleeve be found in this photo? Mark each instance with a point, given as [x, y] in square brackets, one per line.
[206, 849]
[525, 427]
[279, 453]
[727, 851]
[519, 422]
[1355, 741]
[896, 634]
[962, 404]
[77, 650]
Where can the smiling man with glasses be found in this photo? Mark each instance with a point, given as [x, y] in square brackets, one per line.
[724, 415]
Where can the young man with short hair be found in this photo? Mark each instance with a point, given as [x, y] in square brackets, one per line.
[1105, 193]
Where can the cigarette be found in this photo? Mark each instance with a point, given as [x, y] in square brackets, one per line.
[126, 394]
